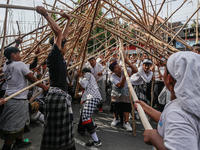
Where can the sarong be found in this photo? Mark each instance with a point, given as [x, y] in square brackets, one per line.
[58, 129]
[88, 108]
[14, 116]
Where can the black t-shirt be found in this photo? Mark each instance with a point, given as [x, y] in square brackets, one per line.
[57, 68]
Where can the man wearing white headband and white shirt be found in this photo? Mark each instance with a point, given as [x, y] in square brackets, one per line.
[139, 79]
[179, 123]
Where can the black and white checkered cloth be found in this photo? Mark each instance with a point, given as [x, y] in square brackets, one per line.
[141, 92]
[88, 108]
[58, 129]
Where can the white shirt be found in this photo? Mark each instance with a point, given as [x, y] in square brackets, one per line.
[137, 63]
[89, 83]
[140, 77]
[15, 73]
[156, 73]
[96, 69]
[115, 79]
[86, 65]
[179, 129]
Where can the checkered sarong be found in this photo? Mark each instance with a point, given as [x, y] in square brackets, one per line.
[141, 92]
[58, 129]
[88, 108]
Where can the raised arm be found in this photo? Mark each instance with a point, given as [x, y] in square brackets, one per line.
[133, 68]
[18, 41]
[66, 28]
[54, 26]
[121, 83]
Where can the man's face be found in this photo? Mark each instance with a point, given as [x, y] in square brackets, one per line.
[115, 56]
[145, 56]
[92, 62]
[117, 69]
[16, 56]
[44, 66]
[146, 67]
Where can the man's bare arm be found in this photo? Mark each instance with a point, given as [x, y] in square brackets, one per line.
[54, 26]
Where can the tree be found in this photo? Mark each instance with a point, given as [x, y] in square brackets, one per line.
[193, 25]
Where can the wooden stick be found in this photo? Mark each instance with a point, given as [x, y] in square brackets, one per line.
[143, 118]
[32, 85]
[5, 27]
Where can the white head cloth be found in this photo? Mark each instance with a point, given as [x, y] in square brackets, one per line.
[98, 60]
[184, 67]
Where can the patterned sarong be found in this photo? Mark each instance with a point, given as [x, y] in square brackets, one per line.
[88, 108]
[14, 116]
[58, 129]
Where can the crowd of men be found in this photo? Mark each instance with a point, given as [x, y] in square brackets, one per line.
[168, 93]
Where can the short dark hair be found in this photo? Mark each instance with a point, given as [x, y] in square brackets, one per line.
[51, 41]
[86, 70]
[8, 52]
[196, 46]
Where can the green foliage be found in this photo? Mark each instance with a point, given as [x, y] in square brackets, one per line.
[193, 25]
[54, 16]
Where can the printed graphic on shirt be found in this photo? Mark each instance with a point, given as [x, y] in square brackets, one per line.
[8, 73]
[161, 121]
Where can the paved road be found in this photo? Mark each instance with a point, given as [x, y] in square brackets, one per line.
[113, 138]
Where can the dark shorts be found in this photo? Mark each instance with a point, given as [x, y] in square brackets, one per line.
[118, 107]
[12, 136]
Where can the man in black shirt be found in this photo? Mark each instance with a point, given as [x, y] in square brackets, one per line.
[58, 127]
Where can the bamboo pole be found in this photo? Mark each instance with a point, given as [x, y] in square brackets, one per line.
[143, 118]
[5, 27]
[32, 85]
[197, 24]
[85, 49]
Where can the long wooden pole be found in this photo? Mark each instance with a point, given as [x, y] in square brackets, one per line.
[143, 117]
[5, 27]
[197, 24]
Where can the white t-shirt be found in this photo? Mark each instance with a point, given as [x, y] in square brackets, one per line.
[156, 73]
[179, 129]
[115, 79]
[15, 73]
[96, 69]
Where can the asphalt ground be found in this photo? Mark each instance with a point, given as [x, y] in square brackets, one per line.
[113, 138]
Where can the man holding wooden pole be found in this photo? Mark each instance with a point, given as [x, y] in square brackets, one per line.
[16, 110]
[58, 127]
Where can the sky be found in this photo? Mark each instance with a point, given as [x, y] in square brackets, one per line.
[27, 18]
